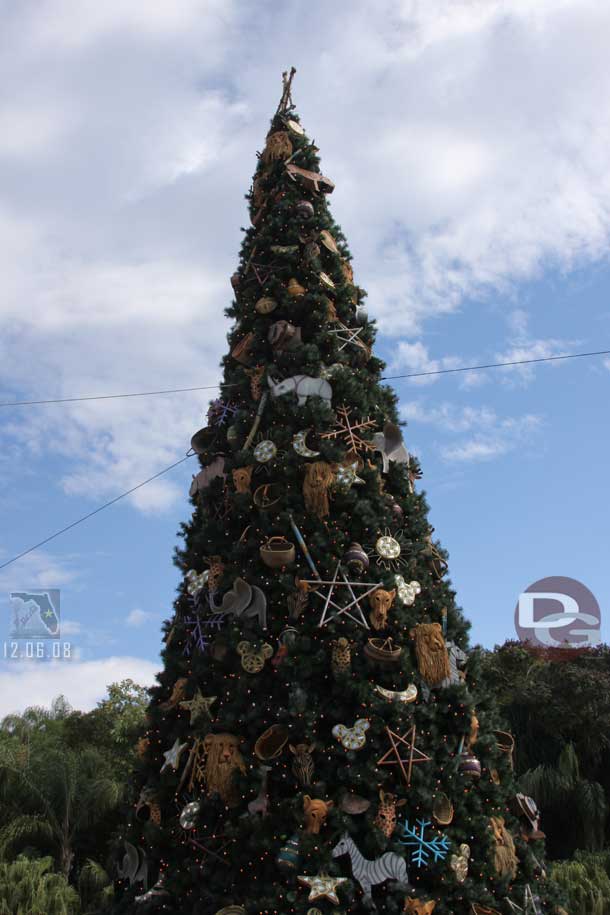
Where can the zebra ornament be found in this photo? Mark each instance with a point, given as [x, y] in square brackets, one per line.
[367, 873]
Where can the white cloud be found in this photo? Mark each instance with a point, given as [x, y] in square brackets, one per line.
[482, 158]
[479, 434]
[83, 683]
[508, 435]
[38, 570]
[137, 617]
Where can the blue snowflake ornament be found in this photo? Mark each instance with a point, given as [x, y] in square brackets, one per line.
[436, 847]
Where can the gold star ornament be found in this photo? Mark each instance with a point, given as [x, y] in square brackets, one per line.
[323, 887]
[199, 705]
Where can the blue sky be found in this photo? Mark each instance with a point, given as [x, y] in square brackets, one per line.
[468, 142]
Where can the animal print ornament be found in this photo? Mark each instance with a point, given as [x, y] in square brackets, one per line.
[253, 657]
[352, 738]
[459, 863]
[302, 764]
[341, 658]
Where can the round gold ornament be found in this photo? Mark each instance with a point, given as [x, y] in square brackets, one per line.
[265, 305]
[294, 288]
[295, 127]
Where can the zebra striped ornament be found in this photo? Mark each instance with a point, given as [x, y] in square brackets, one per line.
[367, 873]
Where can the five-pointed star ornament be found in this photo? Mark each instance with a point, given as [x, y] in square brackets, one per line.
[348, 335]
[172, 757]
[530, 904]
[336, 582]
[199, 705]
[415, 755]
[323, 887]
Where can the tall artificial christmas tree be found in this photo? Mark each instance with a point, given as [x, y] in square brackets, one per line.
[316, 741]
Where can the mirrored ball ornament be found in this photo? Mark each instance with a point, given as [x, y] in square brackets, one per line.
[188, 815]
[387, 547]
[265, 451]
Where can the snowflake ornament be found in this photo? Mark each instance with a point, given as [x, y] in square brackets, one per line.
[347, 431]
[219, 412]
[424, 848]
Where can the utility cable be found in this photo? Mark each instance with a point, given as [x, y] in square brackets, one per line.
[94, 512]
[210, 387]
[100, 508]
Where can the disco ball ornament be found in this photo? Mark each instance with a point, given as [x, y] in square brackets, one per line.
[188, 815]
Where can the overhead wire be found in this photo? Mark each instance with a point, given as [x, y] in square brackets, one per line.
[155, 476]
[210, 387]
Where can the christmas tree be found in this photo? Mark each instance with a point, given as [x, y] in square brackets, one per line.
[316, 740]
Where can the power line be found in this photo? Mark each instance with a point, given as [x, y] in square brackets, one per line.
[210, 387]
[497, 365]
[100, 508]
[29, 403]
[94, 512]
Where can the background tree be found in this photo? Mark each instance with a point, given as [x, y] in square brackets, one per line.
[29, 887]
[562, 755]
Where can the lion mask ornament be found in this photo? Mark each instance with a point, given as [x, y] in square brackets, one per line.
[431, 653]
[223, 760]
[319, 477]
[504, 856]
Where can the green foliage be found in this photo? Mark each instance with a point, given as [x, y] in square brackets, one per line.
[94, 888]
[58, 800]
[586, 883]
[563, 755]
[63, 781]
[29, 887]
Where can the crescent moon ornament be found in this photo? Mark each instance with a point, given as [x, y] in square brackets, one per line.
[299, 444]
[403, 695]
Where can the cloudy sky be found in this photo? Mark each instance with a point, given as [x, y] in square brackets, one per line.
[468, 140]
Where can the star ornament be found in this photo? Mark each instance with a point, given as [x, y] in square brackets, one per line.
[199, 705]
[393, 756]
[323, 887]
[352, 608]
[172, 756]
